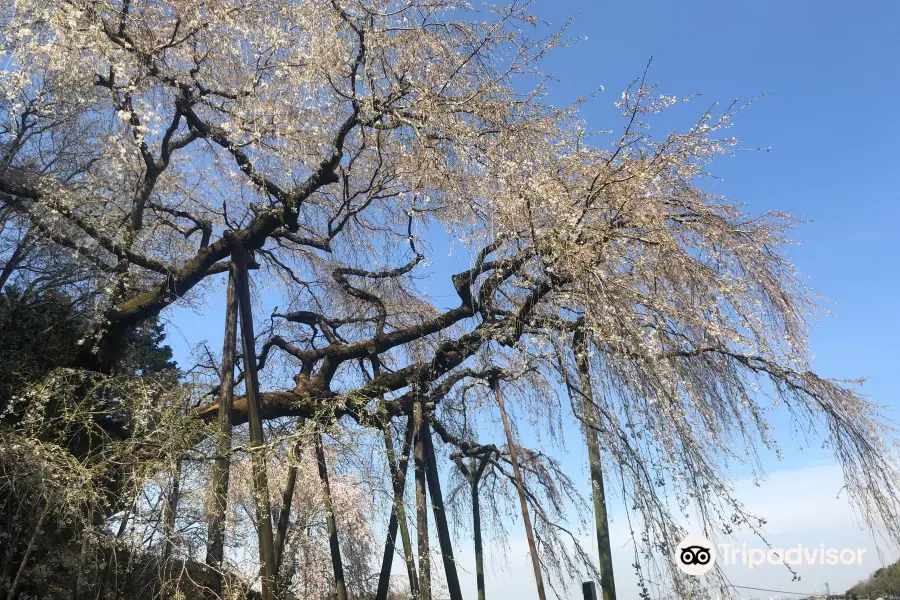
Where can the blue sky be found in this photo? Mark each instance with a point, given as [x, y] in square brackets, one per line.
[830, 74]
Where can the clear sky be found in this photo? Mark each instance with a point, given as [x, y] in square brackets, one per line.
[832, 81]
[831, 77]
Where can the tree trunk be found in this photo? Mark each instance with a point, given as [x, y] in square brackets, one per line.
[520, 487]
[440, 515]
[336, 562]
[607, 580]
[421, 505]
[257, 441]
[215, 545]
[398, 515]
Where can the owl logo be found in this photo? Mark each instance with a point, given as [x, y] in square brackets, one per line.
[695, 555]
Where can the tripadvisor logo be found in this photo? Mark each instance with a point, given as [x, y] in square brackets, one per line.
[695, 555]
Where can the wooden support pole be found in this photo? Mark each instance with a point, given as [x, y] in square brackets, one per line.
[520, 487]
[287, 497]
[257, 441]
[473, 474]
[607, 579]
[284, 515]
[421, 504]
[398, 515]
[440, 515]
[337, 563]
[215, 544]
[477, 472]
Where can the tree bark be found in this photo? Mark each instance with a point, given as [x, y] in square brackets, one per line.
[440, 515]
[398, 515]
[336, 562]
[421, 505]
[607, 580]
[215, 545]
[520, 487]
[257, 441]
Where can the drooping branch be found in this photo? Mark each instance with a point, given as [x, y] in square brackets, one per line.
[204, 226]
[18, 193]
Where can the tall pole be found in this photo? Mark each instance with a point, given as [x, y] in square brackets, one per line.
[476, 525]
[520, 487]
[215, 545]
[607, 580]
[337, 563]
[398, 470]
[257, 441]
[287, 497]
[421, 504]
[398, 515]
[284, 515]
[440, 515]
[473, 474]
